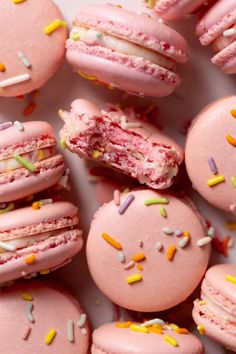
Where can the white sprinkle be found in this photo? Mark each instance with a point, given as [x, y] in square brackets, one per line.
[123, 121]
[211, 232]
[160, 20]
[24, 60]
[46, 201]
[116, 197]
[183, 242]
[29, 309]
[19, 126]
[150, 165]
[129, 265]
[82, 320]
[84, 331]
[204, 241]
[7, 246]
[159, 246]
[229, 32]
[15, 80]
[168, 230]
[152, 322]
[70, 331]
[132, 125]
[63, 114]
[121, 256]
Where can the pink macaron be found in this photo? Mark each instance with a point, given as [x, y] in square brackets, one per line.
[215, 312]
[43, 318]
[117, 138]
[32, 46]
[147, 251]
[172, 10]
[218, 28]
[152, 337]
[29, 162]
[126, 50]
[40, 238]
[210, 153]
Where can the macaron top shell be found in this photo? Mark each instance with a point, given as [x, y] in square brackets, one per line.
[52, 308]
[212, 137]
[113, 340]
[139, 232]
[23, 25]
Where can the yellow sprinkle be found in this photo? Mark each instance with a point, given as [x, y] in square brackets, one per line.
[201, 329]
[30, 259]
[44, 271]
[126, 190]
[41, 155]
[87, 76]
[137, 328]
[231, 140]
[138, 257]
[50, 336]
[163, 212]
[75, 36]
[215, 180]
[112, 242]
[202, 302]
[54, 26]
[157, 326]
[36, 205]
[153, 201]
[63, 144]
[181, 331]
[152, 329]
[233, 113]
[96, 154]
[17, 1]
[140, 267]
[134, 278]
[120, 6]
[171, 252]
[123, 324]
[173, 326]
[2, 67]
[151, 3]
[27, 297]
[231, 278]
[171, 340]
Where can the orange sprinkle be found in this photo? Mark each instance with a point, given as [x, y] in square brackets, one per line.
[2, 67]
[29, 109]
[171, 252]
[187, 234]
[181, 330]
[231, 140]
[36, 205]
[112, 242]
[30, 259]
[138, 257]
[123, 324]
[139, 267]
[233, 113]
[155, 330]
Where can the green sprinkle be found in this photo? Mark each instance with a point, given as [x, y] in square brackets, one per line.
[151, 3]
[8, 208]
[233, 181]
[29, 166]
[63, 144]
[163, 212]
[156, 201]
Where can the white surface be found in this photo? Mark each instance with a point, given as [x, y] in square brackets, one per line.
[202, 84]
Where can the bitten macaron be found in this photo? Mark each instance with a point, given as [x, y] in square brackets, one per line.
[39, 238]
[126, 50]
[44, 318]
[147, 251]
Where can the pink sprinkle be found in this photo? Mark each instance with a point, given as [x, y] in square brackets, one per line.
[124, 206]
[117, 197]
[140, 243]
[129, 265]
[23, 273]
[26, 334]
[6, 125]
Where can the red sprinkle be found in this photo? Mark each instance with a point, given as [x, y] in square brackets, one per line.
[29, 109]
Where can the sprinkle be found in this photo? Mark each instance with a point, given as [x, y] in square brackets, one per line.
[129, 265]
[75, 36]
[123, 324]
[232, 207]
[163, 212]
[171, 340]
[131, 125]
[168, 231]
[140, 243]
[124, 206]
[212, 165]
[204, 241]
[2, 67]
[96, 154]
[63, 144]
[44, 271]
[201, 302]
[134, 278]
[29, 166]
[233, 181]
[7, 246]
[151, 3]
[50, 336]
[152, 322]
[137, 328]
[82, 320]
[17, 1]
[27, 297]
[178, 233]
[231, 140]
[84, 331]
[187, 234]
[86, 76]
[6, 125]
[36, 205]
[116, 197]
[70, 331]
[8, 208]
[181, 331]
[215, 180]
[211, 232]
[233, 113]
[54, 26]
[29, 309]
[140, 267]
[159, 246]
[171, 252]
[138, 257]
[229, 32]
[201, 329]
[29, 109]
[30, 259]
[231, 278]
[46, 201]
[15, 80]
[26, 334]
[121, 256]
[156, 201]
[24, 60]
[173, 326]
[3, 205]
[19, 126]
[112, 242]
[155, 330]
[183, 242]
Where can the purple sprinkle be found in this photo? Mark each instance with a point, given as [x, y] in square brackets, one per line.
[124, 206]
[212, 165]
[26, 334]
[6, 125]
[178, 233]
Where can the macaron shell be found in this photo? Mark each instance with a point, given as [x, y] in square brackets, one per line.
[159, 289]
[44, 52]
[49, 304]
[172, 10]
[226, 59]
[113, 340]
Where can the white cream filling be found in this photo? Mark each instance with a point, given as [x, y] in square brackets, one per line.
[225, 39]
[218, 310]
[91, 36]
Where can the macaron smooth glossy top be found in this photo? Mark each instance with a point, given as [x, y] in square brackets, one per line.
[38, 239]
[125, 50]
[147, 251]
[218, 29]
[215, 312]
[42, 317]
[29, 162]
[32, 46]
[210, 153]
[118, 139]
